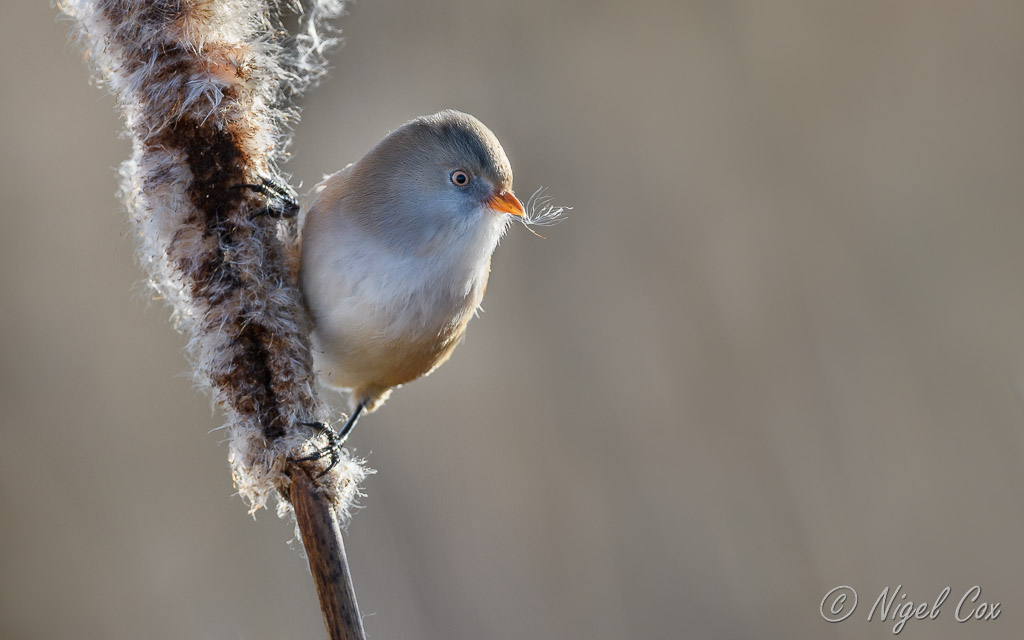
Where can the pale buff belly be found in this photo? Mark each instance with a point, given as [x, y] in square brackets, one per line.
[387, 362]
[368, 364]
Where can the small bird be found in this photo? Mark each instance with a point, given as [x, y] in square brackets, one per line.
[396, 252]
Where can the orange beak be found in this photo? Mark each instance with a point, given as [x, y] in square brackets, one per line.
[506, 202]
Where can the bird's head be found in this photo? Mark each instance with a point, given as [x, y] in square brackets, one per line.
[436, 176]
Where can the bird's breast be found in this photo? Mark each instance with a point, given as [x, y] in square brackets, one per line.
[386, 316]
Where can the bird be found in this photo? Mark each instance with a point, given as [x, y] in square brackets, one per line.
[396, 251]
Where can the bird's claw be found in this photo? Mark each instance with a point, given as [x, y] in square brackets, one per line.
[333, 448]
[282, 203]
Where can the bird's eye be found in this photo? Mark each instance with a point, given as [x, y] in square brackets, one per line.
[460, 178]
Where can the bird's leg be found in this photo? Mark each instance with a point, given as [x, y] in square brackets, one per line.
[282, 203]
[335, 440]
[346, 429]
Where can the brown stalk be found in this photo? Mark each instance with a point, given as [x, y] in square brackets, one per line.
[321, 535]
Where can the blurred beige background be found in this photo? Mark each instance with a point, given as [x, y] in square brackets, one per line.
[777, 348]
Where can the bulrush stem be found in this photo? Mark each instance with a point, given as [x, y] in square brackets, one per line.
[321, 535]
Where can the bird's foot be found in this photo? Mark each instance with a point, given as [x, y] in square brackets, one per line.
[335, 440]
[282, 203]
[332, 450]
